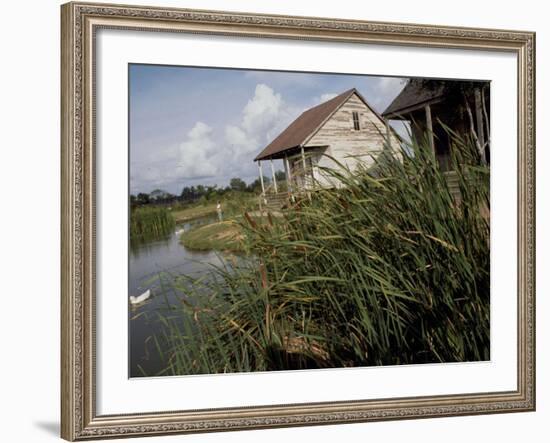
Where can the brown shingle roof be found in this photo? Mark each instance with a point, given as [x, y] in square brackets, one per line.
[416, 92]
[301, 128]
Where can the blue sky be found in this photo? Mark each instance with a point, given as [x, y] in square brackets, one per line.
[191, 126]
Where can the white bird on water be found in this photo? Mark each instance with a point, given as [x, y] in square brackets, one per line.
[140, 298]
[180, 231]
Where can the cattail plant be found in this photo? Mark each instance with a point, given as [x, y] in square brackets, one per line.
[147, 223]
[390, 268]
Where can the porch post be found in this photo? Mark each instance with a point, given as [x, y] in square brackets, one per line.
[273, 175]
[261, 176]
[304, 176]
[387, 123]
[303, 166]
[288, 176]
[430, 128]
[479, 121]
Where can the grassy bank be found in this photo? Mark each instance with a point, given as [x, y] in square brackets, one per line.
[220, 236]
[387, 270]
[233, 203]
[194, 212]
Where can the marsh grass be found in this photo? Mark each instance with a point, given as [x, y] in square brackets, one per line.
[388, 269]
[150, 222]
[234, 203]
[218, 236]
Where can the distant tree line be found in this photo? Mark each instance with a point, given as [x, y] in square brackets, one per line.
[191, 194]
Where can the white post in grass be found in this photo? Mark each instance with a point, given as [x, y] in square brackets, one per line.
[479, 121]
[304, 176]
[430, 128]
[288, 177]
[261, 176]
[303, 166]
[273, 175]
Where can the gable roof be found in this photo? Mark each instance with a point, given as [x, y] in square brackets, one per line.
[307, 123]
[416, 92]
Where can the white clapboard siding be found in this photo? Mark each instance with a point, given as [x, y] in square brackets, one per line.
[337, 138]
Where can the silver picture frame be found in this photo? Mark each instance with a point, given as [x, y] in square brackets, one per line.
[80, 22]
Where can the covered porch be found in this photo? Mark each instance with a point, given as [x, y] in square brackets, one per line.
[301, 175]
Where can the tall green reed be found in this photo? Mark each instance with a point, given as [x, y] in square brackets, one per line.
[390, 268]
[150, 222]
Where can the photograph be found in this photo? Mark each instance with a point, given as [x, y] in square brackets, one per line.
[281, 218]
[283, 221]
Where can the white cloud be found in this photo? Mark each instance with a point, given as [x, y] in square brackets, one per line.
[197, 152]
[196, 157]
[227, 151]
[390, 84]
[264, 116]
[239, 140]
[262, 110]
[387, 89]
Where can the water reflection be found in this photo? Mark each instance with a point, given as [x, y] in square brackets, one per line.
[148, 261]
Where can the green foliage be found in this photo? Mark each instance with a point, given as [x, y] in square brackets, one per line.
[237, 184]
[256, 185]
[237, 203]
[150, 222]
[209, 193]
[388, 269]
[142, 198]
[280, 176]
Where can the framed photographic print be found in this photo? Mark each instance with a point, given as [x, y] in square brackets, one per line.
[281, 221]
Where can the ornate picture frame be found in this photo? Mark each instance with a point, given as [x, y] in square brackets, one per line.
[80, 22]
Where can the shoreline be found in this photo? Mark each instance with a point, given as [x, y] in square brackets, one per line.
[184, 218]
[225, 236]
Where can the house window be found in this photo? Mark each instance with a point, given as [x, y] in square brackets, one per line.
[356, 126]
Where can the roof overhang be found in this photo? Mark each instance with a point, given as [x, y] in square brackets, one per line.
[277, 155]
[404, 113]
[290, 152]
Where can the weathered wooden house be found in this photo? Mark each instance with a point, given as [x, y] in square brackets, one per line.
[431, 105]
[345, 130]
